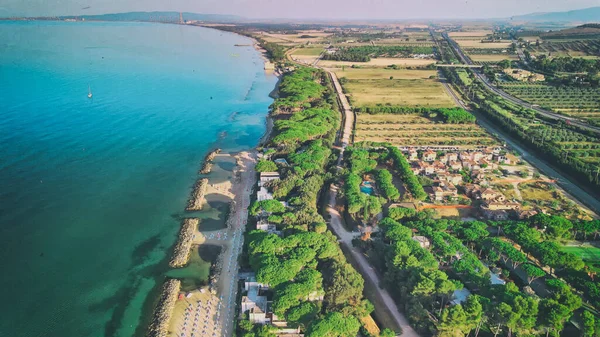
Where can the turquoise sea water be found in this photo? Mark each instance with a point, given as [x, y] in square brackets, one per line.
[92, 190]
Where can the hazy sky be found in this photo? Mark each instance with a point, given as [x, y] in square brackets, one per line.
[329, 9]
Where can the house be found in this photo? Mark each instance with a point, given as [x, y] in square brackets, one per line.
[488, 154]
[443, 159]
[476, 156]
[413, 154]
[502, 159]
[264, 225]
[464, 156]
[452, 156]
[455, 165]
[455, 179]
[468, 164]
[472, 190]
[421, 167]
[429, 155]
[526, 214]
[501, 205]
[255, 302]
[488, 194]
[496, 215]
[423, 241]
[438, 166]
[443, 191]
[265, 177]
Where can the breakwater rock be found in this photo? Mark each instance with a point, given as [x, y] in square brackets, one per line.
[197, 199]
[181, 253]
[159, 327]
[208, 161]
[206, 168]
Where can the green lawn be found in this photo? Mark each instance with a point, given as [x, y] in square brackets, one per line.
[587, 253]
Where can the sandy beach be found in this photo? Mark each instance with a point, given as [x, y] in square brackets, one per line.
[217, 316]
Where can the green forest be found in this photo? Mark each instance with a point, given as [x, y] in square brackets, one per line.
[313, 287]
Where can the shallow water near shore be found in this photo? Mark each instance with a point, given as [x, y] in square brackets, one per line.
[92, 191]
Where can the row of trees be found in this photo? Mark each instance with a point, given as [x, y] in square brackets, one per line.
[406, 174]
[506, 310]
[364, 53]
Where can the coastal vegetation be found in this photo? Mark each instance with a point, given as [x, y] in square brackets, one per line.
[314, 288]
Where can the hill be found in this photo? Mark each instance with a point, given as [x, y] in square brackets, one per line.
[158, 16]
[579, 15]
[579, 32]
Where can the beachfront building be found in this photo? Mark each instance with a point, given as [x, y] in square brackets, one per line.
[255, 302]
[265, 178]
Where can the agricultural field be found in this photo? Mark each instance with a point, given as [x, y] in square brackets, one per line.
[574, 48]
[303, 37]
[416, 130]
[583, 103]
[492, 58]
[474, 34]
[406, 87]
[478, 44]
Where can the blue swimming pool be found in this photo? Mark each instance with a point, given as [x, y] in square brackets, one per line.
[366, 187]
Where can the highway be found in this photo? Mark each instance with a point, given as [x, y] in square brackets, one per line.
[494, 89]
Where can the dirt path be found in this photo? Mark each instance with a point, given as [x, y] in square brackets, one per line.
[364, 266]
[336, 220]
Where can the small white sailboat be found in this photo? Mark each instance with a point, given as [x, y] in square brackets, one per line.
[89, 92]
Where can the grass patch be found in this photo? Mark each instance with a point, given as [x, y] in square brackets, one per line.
[407, 92]
[313, 51]
[537, 191]
[383, 73]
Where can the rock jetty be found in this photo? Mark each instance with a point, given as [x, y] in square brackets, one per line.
[159, 327]
[181, 253]
[207, 167]
[197, 199]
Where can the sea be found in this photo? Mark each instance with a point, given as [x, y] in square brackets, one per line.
[92, 190]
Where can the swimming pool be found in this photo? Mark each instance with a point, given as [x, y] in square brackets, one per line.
[366, 187]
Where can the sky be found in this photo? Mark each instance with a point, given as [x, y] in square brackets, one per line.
[301, 9]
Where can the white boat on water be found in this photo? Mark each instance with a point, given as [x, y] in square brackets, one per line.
[89, 92]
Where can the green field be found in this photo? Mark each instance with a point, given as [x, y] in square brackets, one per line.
[311, 51]
[589, 254]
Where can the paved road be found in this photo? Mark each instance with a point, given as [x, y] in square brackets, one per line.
[494, 89]
[565, 185]
[348, 116]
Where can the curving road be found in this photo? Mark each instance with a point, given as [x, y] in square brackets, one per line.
[503, 94]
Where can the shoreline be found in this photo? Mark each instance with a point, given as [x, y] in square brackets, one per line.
[235, 190]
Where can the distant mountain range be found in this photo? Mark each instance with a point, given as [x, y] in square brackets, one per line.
[158, 16]
[579, 15]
